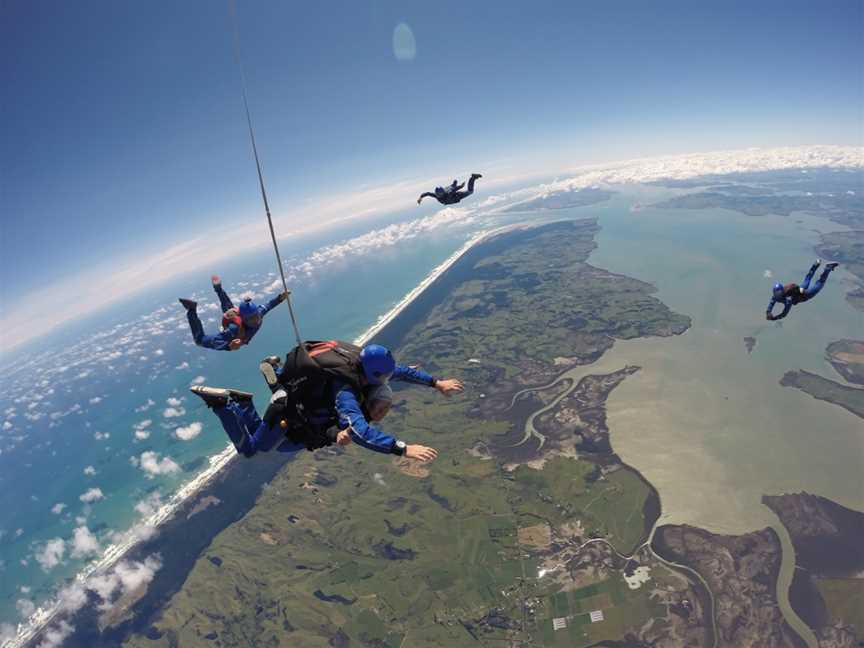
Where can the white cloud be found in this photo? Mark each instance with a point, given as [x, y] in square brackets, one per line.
[92, 495]
[767, 274]
[72, 598]
[51, 553]
[25, 607]
[182, 365]
[125, 577]
[90, 471]
[143, 408]
[95, 400]
[379, 479]
[100, 436]
[57, 509]
[149, 505]
[84, 542]
[7, 425]
[189, 432]
[142, 434]
[143, 424]
[198, 380]
[133, 575]
[159, 352]
[173, 412]
[56, 635]
[152, 465]
[174, 402]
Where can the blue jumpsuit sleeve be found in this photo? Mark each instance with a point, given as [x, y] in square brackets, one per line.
[352, 417]
[220, 341]
[787, 306]
[416, 376]
[273, 303]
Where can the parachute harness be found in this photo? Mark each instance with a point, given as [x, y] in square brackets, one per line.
[258, 167]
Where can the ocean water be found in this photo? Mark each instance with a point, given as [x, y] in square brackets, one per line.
[705, 422]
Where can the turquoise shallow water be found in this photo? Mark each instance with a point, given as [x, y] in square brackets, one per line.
[705, 422]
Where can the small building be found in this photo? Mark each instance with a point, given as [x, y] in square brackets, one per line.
[596, 616]
[560, 623]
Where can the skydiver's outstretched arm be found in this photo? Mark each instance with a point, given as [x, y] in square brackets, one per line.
[224, 299]
[273, 303]
[459, 186]
[787, 306]
[352, 419]
[420, 377]
[423, 195]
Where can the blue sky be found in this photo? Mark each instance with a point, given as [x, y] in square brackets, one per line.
[123, 131]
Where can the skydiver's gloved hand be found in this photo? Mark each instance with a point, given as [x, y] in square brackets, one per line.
[284, 295]
[235, 344]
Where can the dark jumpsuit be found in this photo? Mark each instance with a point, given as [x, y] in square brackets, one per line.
[794, 294]
[451, 195]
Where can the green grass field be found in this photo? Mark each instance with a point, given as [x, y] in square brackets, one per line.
[384, 558]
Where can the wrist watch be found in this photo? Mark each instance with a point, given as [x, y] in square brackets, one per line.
[399, 448]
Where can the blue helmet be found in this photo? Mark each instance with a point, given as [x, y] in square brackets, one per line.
[378, 363]
[778, 290]
[248, 308]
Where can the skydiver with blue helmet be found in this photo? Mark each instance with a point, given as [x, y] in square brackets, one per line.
[320, 397]
[792, 294]
[239, 324]
[452, 194]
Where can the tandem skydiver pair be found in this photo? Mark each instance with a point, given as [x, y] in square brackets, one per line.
[326, 393]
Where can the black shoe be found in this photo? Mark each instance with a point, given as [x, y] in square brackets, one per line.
[188, 304]
[831, 265]
[213, 397]
[476, 175]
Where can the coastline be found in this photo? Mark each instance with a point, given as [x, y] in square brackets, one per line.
[38, 622]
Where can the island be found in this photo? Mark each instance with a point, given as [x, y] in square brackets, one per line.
[849, 398]
[828, 588]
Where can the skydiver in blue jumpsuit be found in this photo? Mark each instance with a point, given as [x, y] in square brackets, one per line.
[793, 294]
[340, 418]
[239, 325]
[452, 194]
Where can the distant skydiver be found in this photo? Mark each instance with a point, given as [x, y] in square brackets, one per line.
[792, 294]
[452, 194]
[239, 325]
[323, 384]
